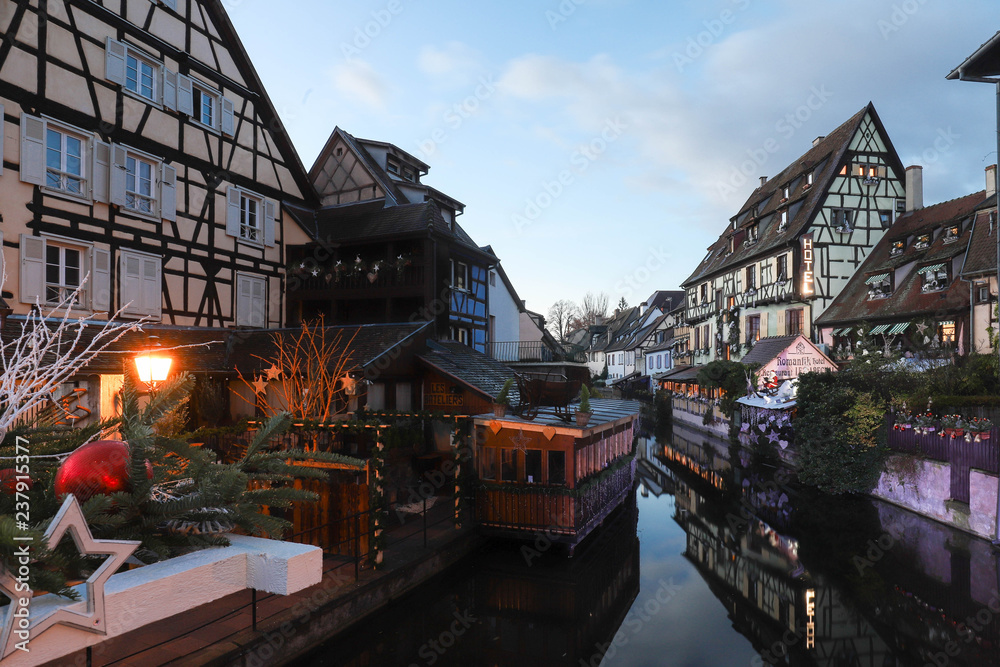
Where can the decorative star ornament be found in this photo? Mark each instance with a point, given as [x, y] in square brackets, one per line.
[70, 519]
[272, 373]
[521, 441]
[773, 436]
[260, 385]
[921, 327]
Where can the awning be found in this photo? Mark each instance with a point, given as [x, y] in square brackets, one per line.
[877, 278]
[880, 329]
[898, 328]
[932, 267]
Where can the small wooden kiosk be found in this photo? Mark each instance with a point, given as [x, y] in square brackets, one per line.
[547, 479]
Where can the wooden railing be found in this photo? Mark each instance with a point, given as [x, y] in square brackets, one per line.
[410, 276]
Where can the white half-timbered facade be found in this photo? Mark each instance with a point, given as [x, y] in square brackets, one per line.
[796, 242]
[140, 149]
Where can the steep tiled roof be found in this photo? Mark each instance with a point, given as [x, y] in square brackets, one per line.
[803, 202]
[767, 349]
[982, 255]
[907, 299]
[472, 368]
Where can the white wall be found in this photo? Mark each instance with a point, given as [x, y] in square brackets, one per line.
[504, 308]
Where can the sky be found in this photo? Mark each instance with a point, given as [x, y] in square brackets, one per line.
[603, 145]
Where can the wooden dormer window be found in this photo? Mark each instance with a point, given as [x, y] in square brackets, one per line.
[897, 248]
[809, 179]
[879, 286]
[783, 220]
[934, 277]
[950, 234]
[392, 166]
[752, 232]
[923, 242]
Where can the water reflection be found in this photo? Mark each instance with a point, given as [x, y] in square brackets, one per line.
[739, 566]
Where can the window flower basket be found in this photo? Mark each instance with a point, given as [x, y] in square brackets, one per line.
[953, 425]
[904, 422]
[924, 424]
[980, 429]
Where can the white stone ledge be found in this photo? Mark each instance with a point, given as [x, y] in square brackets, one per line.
[161, 590]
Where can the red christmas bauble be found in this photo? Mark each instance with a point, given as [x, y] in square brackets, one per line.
[8, 481]
[97, 468]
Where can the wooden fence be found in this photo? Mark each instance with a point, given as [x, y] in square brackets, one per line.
[962, 456]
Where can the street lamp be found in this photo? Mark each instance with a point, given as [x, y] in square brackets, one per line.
[983, 66]
[153, 367]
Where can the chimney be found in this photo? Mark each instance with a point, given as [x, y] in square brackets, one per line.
[914, 188]
[991, 180]
[817, 140]
[763, 180]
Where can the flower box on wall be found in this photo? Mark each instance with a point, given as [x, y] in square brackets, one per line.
[155, 592]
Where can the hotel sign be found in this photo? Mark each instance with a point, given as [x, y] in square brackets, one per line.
[811, 618]
[808, 266]
[799, 357]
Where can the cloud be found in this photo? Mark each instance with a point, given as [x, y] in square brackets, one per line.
[358, 81]
[454, 64]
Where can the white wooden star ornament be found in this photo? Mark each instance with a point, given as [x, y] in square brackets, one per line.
[87, 614]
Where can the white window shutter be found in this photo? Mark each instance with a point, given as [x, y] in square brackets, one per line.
[763, 325]
[168, 193]
[269, 215]
[152, 288]
[32, 269]
[244, 304]
[116, 180]
[32, 149]
[258, 298]
[101, 171]
[130, 276]
[100, 280]
[114, 62]
[185, 95]
[233, 211]
[170, 89]
[780, 323]
[228, 117]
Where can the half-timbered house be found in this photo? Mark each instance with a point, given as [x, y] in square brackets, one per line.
[387, 248]
[796, 242]
[143, 160]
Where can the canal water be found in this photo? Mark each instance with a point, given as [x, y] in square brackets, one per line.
[716, 559]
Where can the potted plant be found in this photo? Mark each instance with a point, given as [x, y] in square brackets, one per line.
[583, 412]
[982, 429]
[503, 399]
[904, 421]
[924, 423]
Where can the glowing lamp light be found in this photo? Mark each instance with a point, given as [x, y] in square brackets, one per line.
[152, 368]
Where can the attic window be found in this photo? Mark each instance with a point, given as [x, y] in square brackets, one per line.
[783, 224]
[897, 248]
[751, 235]
[885, 219]
[935, 277]
[340, 151]
[950, 234]
[840, 220]
[879, 286]
[409, 174]
[785, 191]
[392, 166]
[731, 247]
[923, 242]
[809, 179]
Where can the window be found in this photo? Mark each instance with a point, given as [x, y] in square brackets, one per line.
[375, 397]
[493, 278]
[206, 106]
[459, 275]
[533, 466]
[783, 220]
[946, 332]
[140, 183]
[62, 272]
[752, 232]
[935, 278]
[793, 322]
[141, 74]
[982, 293]
[753, 328]
[508, 465]
[409, 174]
[900, 205]
[489, 463]
[809, 179]
[392, 166]
[923, 242]
[250, 217]
[251, 301]
[897, 248]
[879, 286]
[751, 278]
[704, 293]
[140, 284]
[781, 264]
[868, 171]
[64, 161]
[785, 191]
[841, 220]
[885, 219]
[52, 268]
[950, 234]
[557, 467]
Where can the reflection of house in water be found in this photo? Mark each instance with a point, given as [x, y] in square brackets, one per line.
[522, 608]
[755, 572]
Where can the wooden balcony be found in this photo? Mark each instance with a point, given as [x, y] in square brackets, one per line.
[411, 279]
